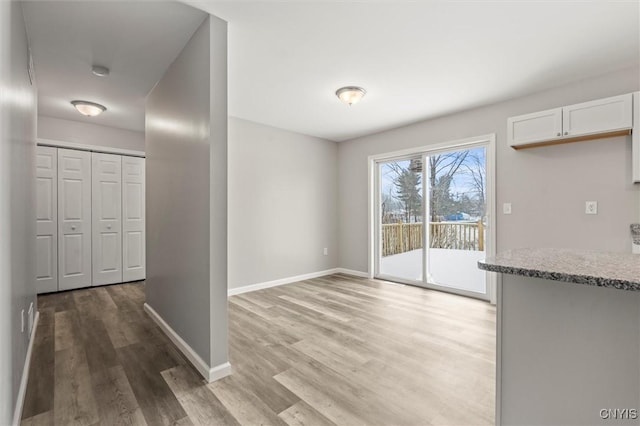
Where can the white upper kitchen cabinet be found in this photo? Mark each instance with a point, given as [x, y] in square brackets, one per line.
[599, 116]
[535, 127]
[607, 117]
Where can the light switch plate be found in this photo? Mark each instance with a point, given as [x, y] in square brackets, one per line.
[591, 207]
[506, 208]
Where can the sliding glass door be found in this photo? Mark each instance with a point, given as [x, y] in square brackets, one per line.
[431, 212]
[401, 218]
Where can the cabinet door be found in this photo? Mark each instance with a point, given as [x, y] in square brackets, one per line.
[106, 212]
[74, 219]
[133, 221]
[536, 127]
[47, 219]
[599, 116]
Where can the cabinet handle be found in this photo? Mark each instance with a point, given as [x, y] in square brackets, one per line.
[108, 226]
[73, 227]
[566, 133]
[559, 134]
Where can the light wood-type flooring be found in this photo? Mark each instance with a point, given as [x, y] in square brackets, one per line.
[331, 350]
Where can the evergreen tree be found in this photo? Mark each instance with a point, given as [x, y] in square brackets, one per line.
[408, 192]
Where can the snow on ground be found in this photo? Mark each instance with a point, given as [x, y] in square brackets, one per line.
[449, 268]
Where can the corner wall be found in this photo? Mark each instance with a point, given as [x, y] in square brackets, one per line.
[547, 186]
[59, 129]
[283, 202]
[17, 204]
[186, 206]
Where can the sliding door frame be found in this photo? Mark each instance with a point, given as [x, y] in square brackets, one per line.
[374, 161]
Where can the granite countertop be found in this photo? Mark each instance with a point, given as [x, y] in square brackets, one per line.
[601, 269]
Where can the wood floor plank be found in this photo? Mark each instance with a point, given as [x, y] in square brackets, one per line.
[302, 414]
[243, 405]
[320, 399]
[74, 402]
[42, 419]
[100, 352]
[116, 402]
[143, 365]
[202, 406]
[67, 329]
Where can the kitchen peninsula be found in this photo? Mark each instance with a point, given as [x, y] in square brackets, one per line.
[568, 337]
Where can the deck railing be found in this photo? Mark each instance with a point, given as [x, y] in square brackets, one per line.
[402, 237]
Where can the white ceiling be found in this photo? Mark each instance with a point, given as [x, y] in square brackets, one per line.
[136, 40]
[417, 60]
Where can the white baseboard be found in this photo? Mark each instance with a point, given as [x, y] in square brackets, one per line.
[281, 281]
[22, 391]
[210, 374]
[352, 272]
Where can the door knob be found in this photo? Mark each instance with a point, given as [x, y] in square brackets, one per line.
[566, 133]
[558, 134]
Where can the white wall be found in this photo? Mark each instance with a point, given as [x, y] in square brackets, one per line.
[186, 140]
[282, 203]
[17, 202]
[546, 186]
[89, 134]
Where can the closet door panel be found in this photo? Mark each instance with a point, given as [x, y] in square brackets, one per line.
[47, 219]
[106, 212]
[133, 210]
[74, 219]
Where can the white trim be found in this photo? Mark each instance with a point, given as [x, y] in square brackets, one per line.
[372, 222]
[434, 148]
[352, 272]
[488, 141]
[209, 373]
[17, 414]
[91, 148]
[281, 281]
[219, 372]
[635, 140]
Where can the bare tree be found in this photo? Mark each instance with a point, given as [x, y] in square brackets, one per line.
[442, 169]
[477, 173]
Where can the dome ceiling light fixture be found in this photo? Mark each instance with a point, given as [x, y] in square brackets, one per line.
[350, 94]
[90, 109]
[100, 71]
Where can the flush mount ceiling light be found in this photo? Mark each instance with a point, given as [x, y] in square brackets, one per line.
[350, 94]
[100, 71]
[90, 109]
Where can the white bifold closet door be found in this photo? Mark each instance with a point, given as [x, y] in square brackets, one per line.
[106, 211]
[47, 217]
[74, 219]
[133, 226]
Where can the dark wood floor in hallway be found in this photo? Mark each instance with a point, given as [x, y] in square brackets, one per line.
[331, 350]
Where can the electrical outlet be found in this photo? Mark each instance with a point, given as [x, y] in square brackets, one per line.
[506, 208]
[326, 251]
[30, 320]
[591, 207]
[22, 321]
